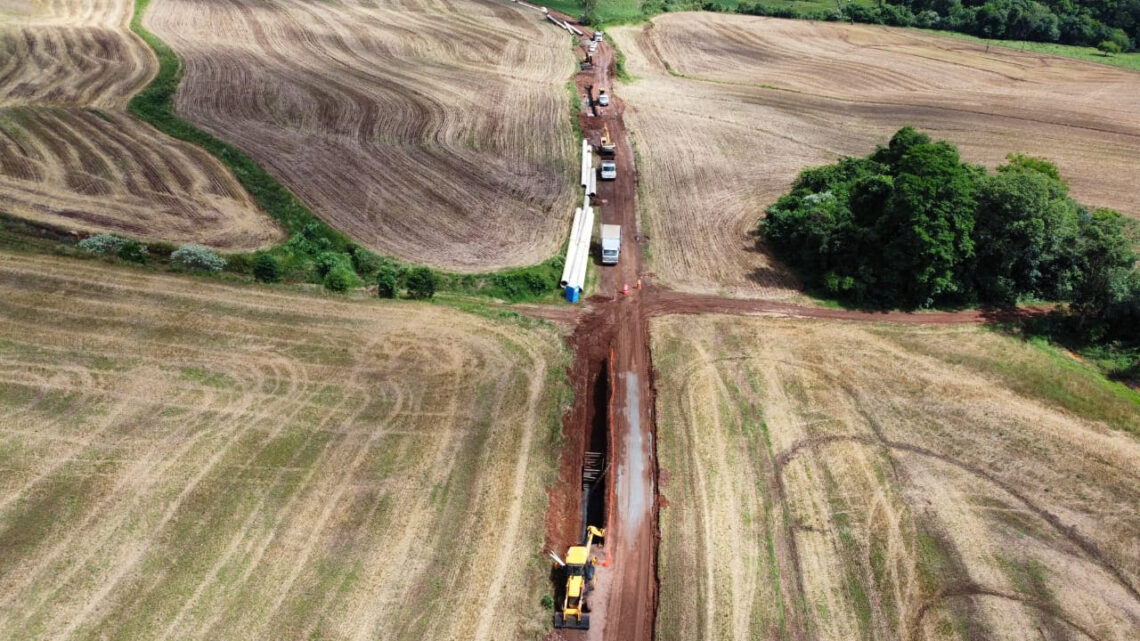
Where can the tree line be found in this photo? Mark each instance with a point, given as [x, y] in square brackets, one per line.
[1110, 25]
[912, 226]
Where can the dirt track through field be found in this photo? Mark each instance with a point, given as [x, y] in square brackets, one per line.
[71, 157]
[436, 132]
[186, 459]
[728, 109]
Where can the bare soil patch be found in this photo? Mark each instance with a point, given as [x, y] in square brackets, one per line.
[840, 481]
[185, 459]
[435, 132]
[726, 110]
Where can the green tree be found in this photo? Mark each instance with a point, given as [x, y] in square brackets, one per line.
[1025, 228]
[1108, 47]
[1106, 266]
[327, 261]
[197, 257]
[928, 224]
[422, 282]
[386, 282]
[267, 269]
[340, 279]
[133, 251]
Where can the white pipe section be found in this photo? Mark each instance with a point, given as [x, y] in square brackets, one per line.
[592, 187]
[585, 231]
[578, 278]
[587, 162]
[571, 247]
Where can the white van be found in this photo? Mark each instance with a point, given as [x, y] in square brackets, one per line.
[609, 170]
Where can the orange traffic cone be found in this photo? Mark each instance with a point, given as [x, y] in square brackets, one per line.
[625, 289]
[639, 283]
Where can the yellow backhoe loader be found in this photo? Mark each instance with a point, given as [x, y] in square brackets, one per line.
[579, 579]
[607, 148]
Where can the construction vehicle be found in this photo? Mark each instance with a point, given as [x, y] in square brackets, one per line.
[580, 568]
[607, 148]
[587, 64]
[609, 170]
[611, 244]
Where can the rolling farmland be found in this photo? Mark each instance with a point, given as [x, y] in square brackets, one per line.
[726, 110]
[192, 460]
[435, 132]
[71, 157]
[841, 481]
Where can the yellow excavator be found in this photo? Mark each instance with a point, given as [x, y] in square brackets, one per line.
[607, 148]
[579, 579]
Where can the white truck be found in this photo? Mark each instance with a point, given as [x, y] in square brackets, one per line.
[611, 244]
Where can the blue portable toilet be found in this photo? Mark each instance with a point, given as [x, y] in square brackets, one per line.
[572, 294]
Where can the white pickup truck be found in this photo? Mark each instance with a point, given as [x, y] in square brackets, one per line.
[611, 244]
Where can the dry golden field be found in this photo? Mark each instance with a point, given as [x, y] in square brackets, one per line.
[826, 480]
[71, 157]
[184, 459]
[437, 132]
[726, 110]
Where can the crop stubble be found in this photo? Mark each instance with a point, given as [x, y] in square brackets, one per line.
[69, 154]
[842, 481]
[437, 132]
[184, 459]
[726, 110]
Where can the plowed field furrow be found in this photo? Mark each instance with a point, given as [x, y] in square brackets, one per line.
[72, 66]
[224, 462]
[434, 132]
[919, 483]
[67, 165]
[728, 109]
[107, 172]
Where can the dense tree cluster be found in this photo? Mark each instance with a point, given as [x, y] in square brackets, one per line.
[1111, 25]
[913, 226]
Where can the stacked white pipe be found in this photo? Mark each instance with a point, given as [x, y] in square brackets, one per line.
[582, 257]
[571, 248]
[581, 231]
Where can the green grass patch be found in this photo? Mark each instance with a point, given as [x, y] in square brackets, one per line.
[607, 12]
[1036, 368]
[1088, 54]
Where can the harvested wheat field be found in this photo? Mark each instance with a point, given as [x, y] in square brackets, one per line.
[188, 460]
[437, 132]
[726, 110]
[855, 481]
[71, 157]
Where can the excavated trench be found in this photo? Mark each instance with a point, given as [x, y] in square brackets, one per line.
[595, 458]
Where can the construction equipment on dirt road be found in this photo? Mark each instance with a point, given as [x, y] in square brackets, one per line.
[607, 148]
[587, 64]
[611, 244]
[580, 568]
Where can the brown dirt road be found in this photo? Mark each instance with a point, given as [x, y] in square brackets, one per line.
[612, 335]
